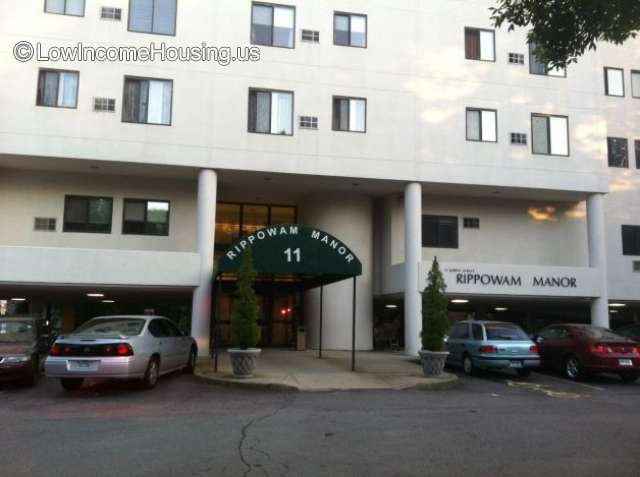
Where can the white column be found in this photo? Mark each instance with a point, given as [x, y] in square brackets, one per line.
[412, 258]
[206, 229]
[598, 258]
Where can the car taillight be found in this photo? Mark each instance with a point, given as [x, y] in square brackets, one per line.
[488, 349]
[534, 349]
[600, 349]
[55, 350]
[124, 349]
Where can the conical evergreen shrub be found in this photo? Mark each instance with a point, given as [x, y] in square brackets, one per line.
[245, 332]
[435, 316]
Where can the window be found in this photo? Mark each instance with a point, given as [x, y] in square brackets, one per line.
[516, 58]
[147, 101]
[87, 214]
[153, 16]
[482, 125]
[111, 13]
[618, 152]
[349, 114]
[518, 139]
[479, 44]
[614, 82]
[312, 36]
[273, 25]
[308, 122]
[58, 89]
[107, 105]
[635, 84]
[145, 217]
[536, 67]
[271, 112]
[550, 134]
[350, 30]
[478, 332]
[439, 231]
[65, 7]
[44, 224]
[631, 239]
[460, 332]
[471, 223]
[505, 332]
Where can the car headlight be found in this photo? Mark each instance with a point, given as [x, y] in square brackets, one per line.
[16, 359]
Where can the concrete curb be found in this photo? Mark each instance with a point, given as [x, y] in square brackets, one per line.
[446, 382]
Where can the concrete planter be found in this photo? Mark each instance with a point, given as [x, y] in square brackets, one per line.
[243, 361]
[433, 362]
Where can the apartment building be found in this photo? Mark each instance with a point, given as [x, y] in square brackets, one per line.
[405, 129]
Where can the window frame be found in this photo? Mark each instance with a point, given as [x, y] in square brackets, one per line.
[549, 116]
[439, 245]
[636, 147]
[146, 216]
[636, 231]
[124, 103]
[350, 15]
[58, 71]
[84, 10]
[89, 198]
[634, 94]
[546, 67]
[610, 139]
[606, 82]
[175, 21]
[270, 91]
[272, 6]
[466, 124]
[366, 114]
[479, 30]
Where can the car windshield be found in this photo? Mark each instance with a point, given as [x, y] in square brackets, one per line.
[16, 331]
[111, 327]
[505, 332]
[599, 333]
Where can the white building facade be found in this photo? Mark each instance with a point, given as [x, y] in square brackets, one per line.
[408, 129]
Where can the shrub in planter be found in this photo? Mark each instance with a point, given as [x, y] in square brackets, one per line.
[435, 323]
[245, 332]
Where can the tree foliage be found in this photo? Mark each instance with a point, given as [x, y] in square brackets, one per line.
[564, 30]
[245, 332]
[435, 317]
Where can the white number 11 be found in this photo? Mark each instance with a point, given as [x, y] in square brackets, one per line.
[291, 255]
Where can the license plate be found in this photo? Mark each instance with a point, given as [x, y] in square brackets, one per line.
[516, 364]
[83, 365]
[625, 362]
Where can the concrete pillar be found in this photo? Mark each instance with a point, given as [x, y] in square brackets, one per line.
[412, 258]
[206, 231]
[598, 258]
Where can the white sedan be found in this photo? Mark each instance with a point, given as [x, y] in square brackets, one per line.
[121, 347]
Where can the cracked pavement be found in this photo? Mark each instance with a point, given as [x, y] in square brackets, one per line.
[493, 425]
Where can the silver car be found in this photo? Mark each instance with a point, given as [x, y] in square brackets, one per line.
[121, 347]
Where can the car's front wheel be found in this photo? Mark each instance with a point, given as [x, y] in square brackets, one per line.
[71, 384]
[467, 365]
[191, 364]
[629, 377]
[151, 375]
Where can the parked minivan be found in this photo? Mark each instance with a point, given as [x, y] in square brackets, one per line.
[491, 345]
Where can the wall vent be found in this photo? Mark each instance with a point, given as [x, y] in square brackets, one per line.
[104, 105]
[308, 122]
[516, 58]
[636, 266]
[111, 13]
[311, 35]
[471, 223]
[44, 224]
[519, 139]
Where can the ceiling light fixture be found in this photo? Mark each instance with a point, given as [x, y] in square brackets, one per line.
[617, 305]
[18, 299]
[391, 306]
[108, 301]
[459, 301]
[501, 308]
[95, 295]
